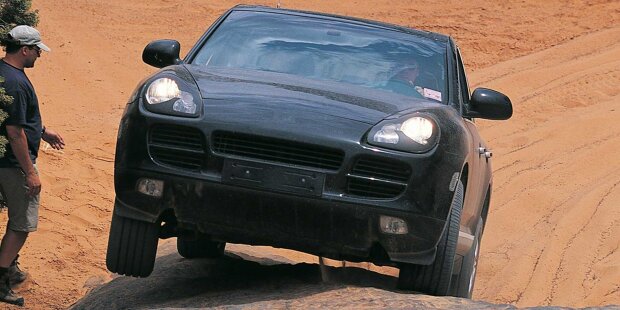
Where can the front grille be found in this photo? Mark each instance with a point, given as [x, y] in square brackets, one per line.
[178, 146]
[377, 177]
[276, 150]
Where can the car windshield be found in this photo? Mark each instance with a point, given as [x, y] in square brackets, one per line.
[329, 50]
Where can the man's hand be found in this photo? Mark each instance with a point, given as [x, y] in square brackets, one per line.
[33, 183]
[54, 139]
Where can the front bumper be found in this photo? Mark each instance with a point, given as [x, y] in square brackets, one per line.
[234, 198]
[335, 229]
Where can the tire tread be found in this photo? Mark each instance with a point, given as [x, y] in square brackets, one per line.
[132, 247]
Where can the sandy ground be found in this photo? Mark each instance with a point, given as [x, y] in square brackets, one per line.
[264, 278]
[553, 233]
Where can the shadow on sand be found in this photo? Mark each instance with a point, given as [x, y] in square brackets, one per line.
[227, 281]
[241, 280]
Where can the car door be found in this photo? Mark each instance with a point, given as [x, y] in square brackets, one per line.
[478, 160]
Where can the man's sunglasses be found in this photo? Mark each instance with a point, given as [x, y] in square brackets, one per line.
[36, 48]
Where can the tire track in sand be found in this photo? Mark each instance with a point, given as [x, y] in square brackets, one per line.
[552, 235]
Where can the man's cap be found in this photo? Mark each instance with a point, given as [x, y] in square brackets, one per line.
[26, 35]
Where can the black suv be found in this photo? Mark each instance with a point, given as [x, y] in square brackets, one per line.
[340, 137]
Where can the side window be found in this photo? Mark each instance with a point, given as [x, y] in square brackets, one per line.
[463, 86]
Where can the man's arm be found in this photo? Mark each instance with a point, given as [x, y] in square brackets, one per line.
[19, 145]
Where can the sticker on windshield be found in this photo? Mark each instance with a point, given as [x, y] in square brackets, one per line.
[431, 94]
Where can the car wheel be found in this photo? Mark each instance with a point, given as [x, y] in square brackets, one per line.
[434, 279]
[132, 246]
[463, 280]
[199, 246]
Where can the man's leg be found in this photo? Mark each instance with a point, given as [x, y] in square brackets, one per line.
[23, 218]
[11, 244]
[23, 213]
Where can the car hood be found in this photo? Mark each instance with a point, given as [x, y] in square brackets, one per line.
[255, 91]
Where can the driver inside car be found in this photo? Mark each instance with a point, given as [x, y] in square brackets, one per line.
[404, 81]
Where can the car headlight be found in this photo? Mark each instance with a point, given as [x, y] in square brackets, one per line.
[161, 90]
[167, 95]
[416, 133]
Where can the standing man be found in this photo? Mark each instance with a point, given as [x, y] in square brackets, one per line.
[19, 179]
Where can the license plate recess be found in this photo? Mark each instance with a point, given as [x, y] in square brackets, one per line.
[272, 177]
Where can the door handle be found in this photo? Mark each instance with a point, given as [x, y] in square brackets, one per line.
[483, 151]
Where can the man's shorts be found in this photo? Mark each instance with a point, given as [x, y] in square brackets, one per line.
[23, 208]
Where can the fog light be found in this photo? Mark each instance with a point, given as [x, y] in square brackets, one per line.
[392, 225]
[151, 187]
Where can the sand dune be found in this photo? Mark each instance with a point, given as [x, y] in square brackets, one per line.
[554, 226]
[553, 232]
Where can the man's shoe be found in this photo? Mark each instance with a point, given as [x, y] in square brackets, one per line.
[16, 275]
[6, 293]
[11, 298]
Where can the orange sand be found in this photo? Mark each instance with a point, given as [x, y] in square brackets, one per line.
[554, 227]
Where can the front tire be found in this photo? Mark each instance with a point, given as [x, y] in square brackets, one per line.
[132, 246]
[434, 279]
[199, 246]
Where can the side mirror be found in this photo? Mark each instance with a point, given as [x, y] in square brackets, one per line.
[489, 104]
[162, 53]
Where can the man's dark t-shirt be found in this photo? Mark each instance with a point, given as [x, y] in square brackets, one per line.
[23, 112]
